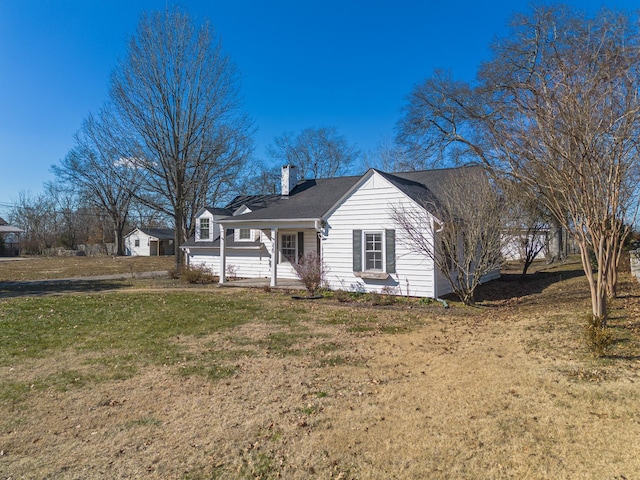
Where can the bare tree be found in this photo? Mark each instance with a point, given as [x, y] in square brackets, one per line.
[37, 216]
[526, 229]
[176, 93]
[316, 152]
[260, 180]
[96, 169]
[388, 156]
[69, 224]
[460, 230]
[556, 109]
[143, 215]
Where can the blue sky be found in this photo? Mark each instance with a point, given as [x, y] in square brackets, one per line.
[342, 63]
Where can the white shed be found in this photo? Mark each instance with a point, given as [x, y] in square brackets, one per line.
[149, 242]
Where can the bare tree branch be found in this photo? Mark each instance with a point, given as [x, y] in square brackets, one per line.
[557, 110]
[176, 93]
[460, 231]
[316, 152]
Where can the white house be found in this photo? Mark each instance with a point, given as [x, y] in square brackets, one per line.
[149, 242]
[522, 243]
[347, 220]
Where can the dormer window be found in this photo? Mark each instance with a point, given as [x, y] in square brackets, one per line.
[205, 229]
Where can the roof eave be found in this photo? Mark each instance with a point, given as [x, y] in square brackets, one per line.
[264, 223]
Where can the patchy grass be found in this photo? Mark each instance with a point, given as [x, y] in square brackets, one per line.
[42, 268]
[232, 383]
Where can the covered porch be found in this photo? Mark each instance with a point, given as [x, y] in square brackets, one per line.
[284, 241]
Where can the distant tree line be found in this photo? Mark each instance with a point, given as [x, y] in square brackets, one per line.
[170, 138]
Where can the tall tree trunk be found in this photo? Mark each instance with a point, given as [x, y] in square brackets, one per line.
[119, 239]
[556, 241]
[596, 285]
[178, 238]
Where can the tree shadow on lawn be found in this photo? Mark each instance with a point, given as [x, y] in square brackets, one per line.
[55, 287]
[511, 285]
[627, 337]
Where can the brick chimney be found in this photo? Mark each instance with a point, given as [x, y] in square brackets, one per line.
[289, 179]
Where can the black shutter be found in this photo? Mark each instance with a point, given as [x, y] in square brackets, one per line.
[300, 245]
[357, 250]
[390, 241]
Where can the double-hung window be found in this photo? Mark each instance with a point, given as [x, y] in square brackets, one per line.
[288, 247]
[373, 252]
[205, 231]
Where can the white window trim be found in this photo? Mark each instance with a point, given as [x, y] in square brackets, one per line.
[199, 229]
[236, 235]
[281, 257]
[382, 248]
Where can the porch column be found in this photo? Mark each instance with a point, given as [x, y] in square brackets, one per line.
[274, 256]
[223, 255]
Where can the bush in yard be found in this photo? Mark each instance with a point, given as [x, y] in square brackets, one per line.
[598, 337]
[197, 274]
[311, 271]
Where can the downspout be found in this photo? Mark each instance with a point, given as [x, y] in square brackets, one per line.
[275, 248]
[223, 254]
[441, 300]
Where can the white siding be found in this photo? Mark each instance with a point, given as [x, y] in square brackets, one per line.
[285, 270]
[241, 263]
[369, 208]
[513, 244]
[130, 244]
[251, 263]
[443, 287]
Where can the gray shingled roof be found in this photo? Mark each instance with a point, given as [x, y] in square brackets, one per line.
[225, 212]
[425, 186]
[6, 228]
[312, 199]
[308, 199]
[254, 202]
[159, 233]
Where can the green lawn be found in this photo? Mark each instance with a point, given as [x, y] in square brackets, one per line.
[162, 381]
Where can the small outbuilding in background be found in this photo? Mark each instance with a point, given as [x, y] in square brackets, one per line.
[149, 242]
[9, 239]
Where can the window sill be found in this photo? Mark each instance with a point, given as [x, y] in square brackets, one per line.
[372, 275]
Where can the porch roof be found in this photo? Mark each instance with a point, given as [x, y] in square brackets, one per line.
[10, 229]
[6, 228]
